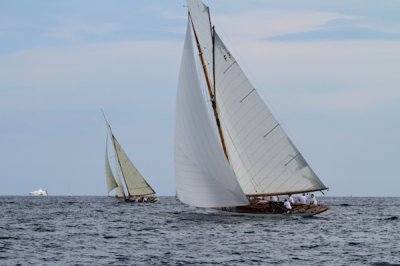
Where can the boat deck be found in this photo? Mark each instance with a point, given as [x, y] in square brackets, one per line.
[262, 208]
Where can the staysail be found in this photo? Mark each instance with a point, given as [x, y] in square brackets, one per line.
[110, 180]
[204, 177]
[264, 159]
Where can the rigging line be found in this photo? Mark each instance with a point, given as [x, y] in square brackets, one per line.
[210, 89]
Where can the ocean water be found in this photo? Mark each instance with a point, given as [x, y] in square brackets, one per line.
[102, 231]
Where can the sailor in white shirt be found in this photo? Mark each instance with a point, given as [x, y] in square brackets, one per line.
[303, 199]
[273, 198]
[313, 200]
[287, 205]
[290, 199]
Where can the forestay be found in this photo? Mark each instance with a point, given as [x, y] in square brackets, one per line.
[263, 157]
[204, 177]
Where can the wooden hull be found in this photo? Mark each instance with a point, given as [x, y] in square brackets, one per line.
[275, 208]
[139, 200]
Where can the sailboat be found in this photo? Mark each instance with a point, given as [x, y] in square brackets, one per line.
[133, 188]
[231, 154]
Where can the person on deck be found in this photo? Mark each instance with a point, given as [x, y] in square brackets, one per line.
[287, 204]
[290, 199]
[313, 200]
[303, 199]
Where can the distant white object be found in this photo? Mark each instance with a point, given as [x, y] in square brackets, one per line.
[39, 192]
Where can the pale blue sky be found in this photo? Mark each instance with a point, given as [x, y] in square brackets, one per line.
[330, 71]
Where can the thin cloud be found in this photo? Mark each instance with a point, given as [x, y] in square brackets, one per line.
[86, 75]
[341, 33]
[77, 31]
[260, 25]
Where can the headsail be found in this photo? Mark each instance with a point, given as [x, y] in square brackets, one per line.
[204, 177]
[110, 180]
[263, 157]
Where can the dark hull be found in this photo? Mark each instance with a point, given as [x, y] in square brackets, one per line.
[276, 208]
[139, 200]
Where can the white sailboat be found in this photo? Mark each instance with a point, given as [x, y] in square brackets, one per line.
[39, 192]
[230, 151]
[134, 187]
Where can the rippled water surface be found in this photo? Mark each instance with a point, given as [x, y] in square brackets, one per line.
[102, 231]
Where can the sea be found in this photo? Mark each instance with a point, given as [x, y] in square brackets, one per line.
[81, 230]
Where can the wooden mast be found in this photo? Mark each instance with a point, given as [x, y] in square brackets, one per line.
[211, 90]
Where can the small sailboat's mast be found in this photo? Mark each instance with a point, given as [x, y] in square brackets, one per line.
[116, 154]
[211, 89]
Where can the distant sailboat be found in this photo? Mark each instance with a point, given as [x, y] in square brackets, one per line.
[39, 192]
[230, 151]
[136, 188]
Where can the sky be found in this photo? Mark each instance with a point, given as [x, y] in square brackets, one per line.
[329, 71]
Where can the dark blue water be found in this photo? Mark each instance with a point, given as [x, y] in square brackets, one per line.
[103, 231]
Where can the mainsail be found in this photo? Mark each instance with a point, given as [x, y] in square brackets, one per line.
[263, 158]
[135, 183]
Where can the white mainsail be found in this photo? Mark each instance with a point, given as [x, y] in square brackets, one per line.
[110, 180]
[262, 155]
[264, 159]
[204, 177]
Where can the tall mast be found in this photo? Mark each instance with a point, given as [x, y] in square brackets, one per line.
[211, 90]
[115, 150]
